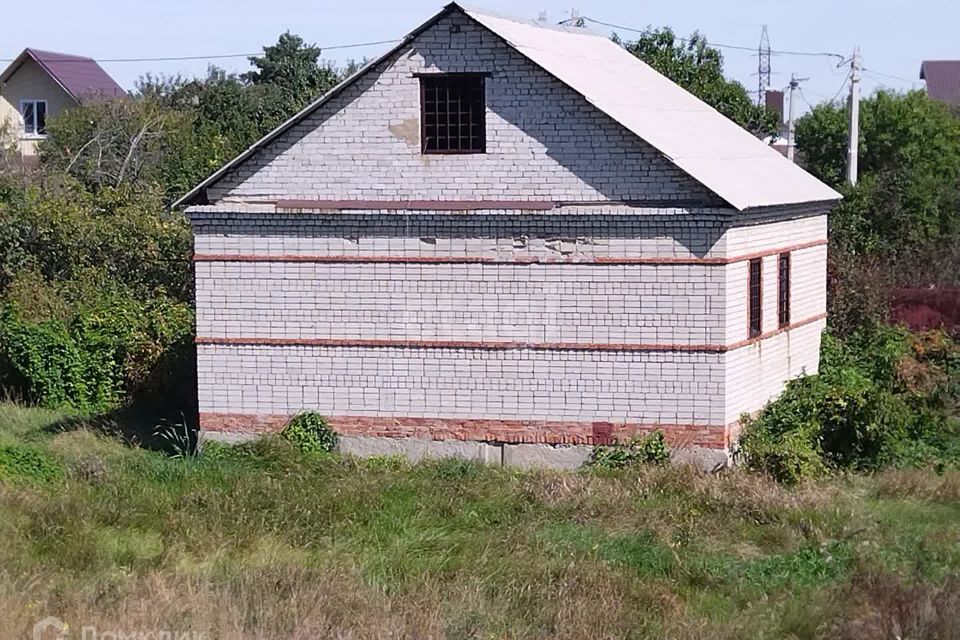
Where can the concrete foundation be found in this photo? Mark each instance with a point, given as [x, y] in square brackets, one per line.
[521, 456]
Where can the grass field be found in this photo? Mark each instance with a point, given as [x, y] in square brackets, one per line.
[261, 542]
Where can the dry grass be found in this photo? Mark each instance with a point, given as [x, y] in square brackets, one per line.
[884, 606]
[919, 485]
[261, 542]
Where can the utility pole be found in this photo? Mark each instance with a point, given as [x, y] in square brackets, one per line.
[794, 84]
[854, 128]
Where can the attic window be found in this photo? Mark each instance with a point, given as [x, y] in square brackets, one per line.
[34, 114]
[453, 113]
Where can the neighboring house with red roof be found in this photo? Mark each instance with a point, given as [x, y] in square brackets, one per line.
[943, 80]
[40, 84]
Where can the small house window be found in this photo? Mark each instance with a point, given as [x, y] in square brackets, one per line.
[755, 286]
[453, 113]
[34, 114]
[783, 290]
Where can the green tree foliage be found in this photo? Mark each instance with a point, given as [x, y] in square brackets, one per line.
[908, 196]
[175, 132]
[698, 68]
[112, 143]
[61, 230]
[292, 70]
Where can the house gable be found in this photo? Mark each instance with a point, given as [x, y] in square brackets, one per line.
[544, 140]
[30, 82]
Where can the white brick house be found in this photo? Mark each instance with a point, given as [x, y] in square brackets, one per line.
[511, 234]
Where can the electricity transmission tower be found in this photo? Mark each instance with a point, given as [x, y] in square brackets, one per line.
[763, 65]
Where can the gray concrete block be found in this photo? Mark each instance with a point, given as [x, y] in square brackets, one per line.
[545, 456]
[706, 460]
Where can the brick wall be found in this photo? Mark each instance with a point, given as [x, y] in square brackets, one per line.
[363, 317]
[543, 139]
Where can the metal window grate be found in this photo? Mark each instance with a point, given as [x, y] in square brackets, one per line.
[783, 290]
[756, 297]
[453, 113]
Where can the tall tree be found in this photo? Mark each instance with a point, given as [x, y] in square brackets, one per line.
[698, 68]
[293, 67]
[909, 190]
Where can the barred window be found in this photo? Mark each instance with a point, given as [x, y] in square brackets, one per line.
[755, 287]
[783, 290]
[453, 113]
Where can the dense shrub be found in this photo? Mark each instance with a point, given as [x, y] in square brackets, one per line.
[94, 357]
[649, 449]
[883, 398]
[95, 293]
[309, 432]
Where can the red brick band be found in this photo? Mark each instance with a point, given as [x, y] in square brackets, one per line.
[471, 205]
[600, 260]
[498, 346]
[417, 205]
[484, 430]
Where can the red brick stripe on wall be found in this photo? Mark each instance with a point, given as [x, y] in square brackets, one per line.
[418, 205]
[600, 260]
[499, 346]
[507, 431]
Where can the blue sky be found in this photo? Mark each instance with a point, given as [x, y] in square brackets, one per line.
[894, 35]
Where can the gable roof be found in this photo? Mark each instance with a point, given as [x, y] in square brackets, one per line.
[79, 76]
[729, 161]
[943, 79]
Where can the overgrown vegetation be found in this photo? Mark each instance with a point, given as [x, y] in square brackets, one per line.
[648, 449]
[309, 432]
[883, 398]
[260, 540]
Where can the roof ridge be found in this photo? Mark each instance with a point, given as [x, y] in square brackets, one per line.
[530, 22]
[70, 56]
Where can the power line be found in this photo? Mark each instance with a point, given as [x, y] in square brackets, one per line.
[840, 90]
[723, 46]
[205, 57]
[889, 75]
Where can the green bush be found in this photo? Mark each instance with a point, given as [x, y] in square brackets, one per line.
[309, 432]
[102, 353]
[649, 449]
[28, 465]
[877, 402]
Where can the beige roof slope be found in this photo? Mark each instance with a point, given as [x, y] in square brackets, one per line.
[712, 149]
